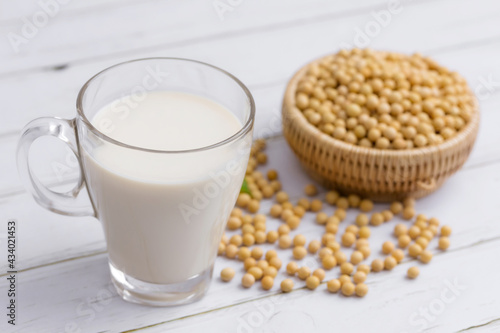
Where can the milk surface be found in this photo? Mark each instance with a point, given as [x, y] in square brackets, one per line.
[163, 213]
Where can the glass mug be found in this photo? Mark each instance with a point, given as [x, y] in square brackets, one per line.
[162, 221]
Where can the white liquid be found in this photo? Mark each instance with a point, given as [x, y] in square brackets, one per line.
[163, 213]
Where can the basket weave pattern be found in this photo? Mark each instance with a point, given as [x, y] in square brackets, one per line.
[382, 175]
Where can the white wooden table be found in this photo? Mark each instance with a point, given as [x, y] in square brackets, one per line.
[63, 284]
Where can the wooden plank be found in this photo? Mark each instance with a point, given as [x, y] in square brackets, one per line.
[277, 40]
[145, 26]
[296, 17]
[432, 303]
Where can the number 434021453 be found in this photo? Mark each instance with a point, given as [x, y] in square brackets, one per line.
[11, 244]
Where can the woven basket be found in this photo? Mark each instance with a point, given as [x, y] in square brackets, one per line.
[382, 175]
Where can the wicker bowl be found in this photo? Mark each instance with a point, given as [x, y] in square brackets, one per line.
[379, 174]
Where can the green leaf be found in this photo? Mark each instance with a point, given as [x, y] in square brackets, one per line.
[244, 187]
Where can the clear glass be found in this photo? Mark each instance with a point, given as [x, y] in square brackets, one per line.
[162, 231]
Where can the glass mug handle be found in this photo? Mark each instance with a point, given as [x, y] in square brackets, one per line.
[65, 203]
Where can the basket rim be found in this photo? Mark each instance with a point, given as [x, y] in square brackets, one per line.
[294, 115]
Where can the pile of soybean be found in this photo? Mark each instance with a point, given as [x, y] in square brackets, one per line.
[384, 100]
[251, 230]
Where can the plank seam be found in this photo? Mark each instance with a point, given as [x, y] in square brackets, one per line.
[480, 325]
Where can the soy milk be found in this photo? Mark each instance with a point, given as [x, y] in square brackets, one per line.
[163, 213]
